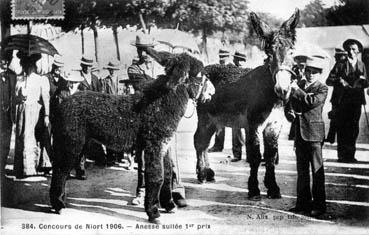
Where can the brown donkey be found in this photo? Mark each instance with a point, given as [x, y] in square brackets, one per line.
[253, 102]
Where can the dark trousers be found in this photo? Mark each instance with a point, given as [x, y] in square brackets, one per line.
[305, 154]
[237, 141]
[5, 137]
[219, 139]
[140, 171]
[347, 124]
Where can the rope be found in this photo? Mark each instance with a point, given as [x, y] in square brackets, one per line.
[193, 109]
[176, 154]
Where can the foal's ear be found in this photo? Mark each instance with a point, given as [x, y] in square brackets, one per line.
[262, 29]
[288, 28]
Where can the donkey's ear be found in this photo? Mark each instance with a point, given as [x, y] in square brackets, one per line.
[262, 29]
[288, 28]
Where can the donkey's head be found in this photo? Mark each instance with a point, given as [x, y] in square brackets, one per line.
[278, 45]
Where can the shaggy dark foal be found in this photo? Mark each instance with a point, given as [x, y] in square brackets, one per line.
[253, 101]
[148, 119]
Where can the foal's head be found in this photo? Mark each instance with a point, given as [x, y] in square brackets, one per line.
[278, 45]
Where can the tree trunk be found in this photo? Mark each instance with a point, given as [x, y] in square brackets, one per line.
[96, 41]
[205, 44]
[82, 40]
[142, 22]
[115, 34]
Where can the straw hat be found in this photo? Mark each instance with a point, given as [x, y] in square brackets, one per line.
[240, 56]
[74, 76]
[351, 41]
[113, 66]
[58, 61]
[339, 51]
[301, 59]
[144, 41]
[85, 60]
[223, 53]
[315, 61]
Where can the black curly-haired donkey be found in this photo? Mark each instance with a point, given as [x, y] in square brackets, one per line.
[148, 119]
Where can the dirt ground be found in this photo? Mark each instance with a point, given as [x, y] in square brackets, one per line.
[102, 203]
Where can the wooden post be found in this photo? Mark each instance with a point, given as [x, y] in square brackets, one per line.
[142, 22]
[82, 40]
[29, 26]
[115, 34]
[96, 35]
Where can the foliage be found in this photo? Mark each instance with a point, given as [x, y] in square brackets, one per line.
[209, 16]
[349, 12]
[314, 14]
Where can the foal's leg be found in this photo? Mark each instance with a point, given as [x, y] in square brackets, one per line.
[154, 178]
[253, 158]
[166, 200]
[202, 138]
[270, 136]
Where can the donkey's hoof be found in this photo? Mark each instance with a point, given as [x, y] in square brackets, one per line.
[170, 207]
[56, 211]
[154, 220]
[254, 198]
[274, 195]
[209, 175]
[153, 214]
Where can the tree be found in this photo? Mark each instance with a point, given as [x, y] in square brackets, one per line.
[110, 13]
[206, 17]
[349, 12]
[314, 14]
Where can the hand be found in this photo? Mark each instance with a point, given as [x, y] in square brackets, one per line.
[343, 82]
[46, 121]
[294, 85]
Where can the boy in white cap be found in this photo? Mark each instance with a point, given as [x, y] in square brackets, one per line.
[307, 99]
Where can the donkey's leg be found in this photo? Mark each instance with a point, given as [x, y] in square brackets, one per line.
[154, 177]
[270, 136]
[65, 159]
[201, 141]
[253, 158]
[166, 200]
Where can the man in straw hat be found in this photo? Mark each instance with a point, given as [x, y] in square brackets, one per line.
[43, 133]
[349, 79]
[90, 80]
[141, 71]
[224, 58]
[109, 83]
[307, 99]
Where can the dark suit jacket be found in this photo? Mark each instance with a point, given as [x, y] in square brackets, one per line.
[308, 104]
[94, 86]
[348, 94]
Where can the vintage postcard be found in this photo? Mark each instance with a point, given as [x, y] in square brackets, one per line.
[184, 117]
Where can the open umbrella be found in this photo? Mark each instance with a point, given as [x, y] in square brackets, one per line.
[176, 39]
[29, 44]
